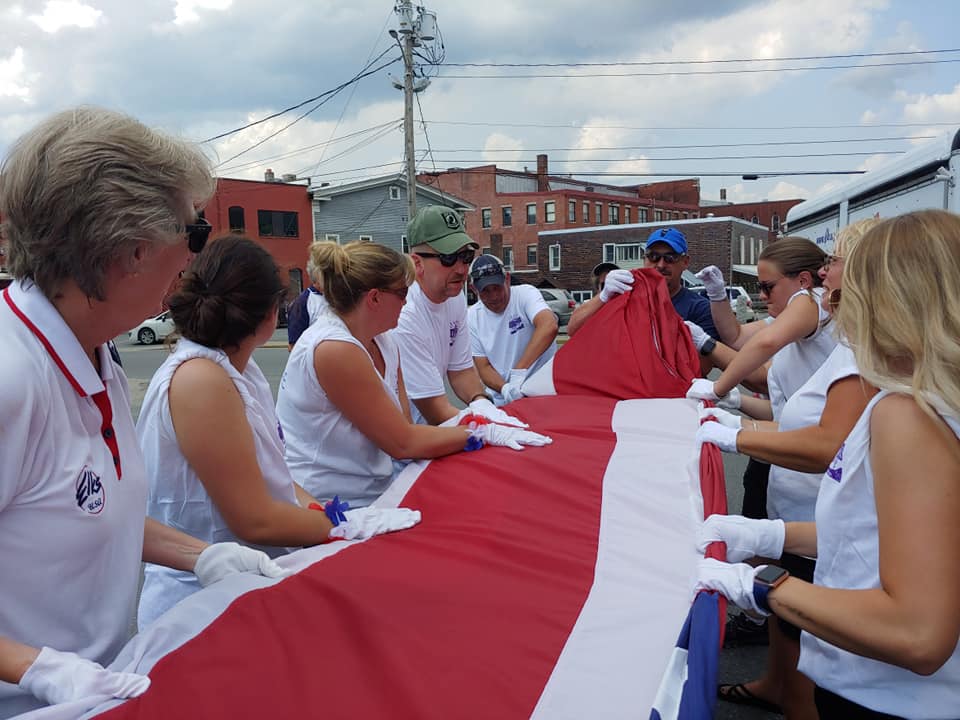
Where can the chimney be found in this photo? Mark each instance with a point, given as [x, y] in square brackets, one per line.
[723, 194]
[268, 176]
[542, 183]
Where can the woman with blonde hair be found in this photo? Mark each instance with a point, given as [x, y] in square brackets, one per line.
[881, 620]
[342, 402]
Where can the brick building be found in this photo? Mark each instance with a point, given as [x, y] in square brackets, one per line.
[770, 213]
[513, 208]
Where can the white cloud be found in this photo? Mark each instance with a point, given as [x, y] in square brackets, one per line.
[494, 146]
[185, 11]
[12, 76]
[58, 14]
[938, 107]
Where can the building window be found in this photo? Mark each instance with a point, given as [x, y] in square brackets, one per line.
[554, 257]
[296, 281]
[366, 238]
[631, 253]
[531, 255]
[775, 223]
[694, 215]
[332, 237]
[598, 213]
[550, 211]
[532, 214]
[755, 219]
[277, 223]
[626, 214]
[237, 222]
[613, 212]
[743, 249]
[685, 216]
[506, 215]
[657, 215]
[394, 192]
[487, 251]
[571, 211]
[586, 211]
[508, 257]
[609, 252]
[753, 251]
[581, 296]
[486, 217]
[641, 215]
[404, 245]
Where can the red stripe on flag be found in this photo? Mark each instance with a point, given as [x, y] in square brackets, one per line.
[464, 616]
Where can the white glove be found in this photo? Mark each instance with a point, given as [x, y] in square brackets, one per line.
[699, 335]
[616, 282]
[744, 537]
[58, 677]
[721, 416]
[366, 522]
[712, 280]
[511, 437]
[734, 581]
[702, 389]
[722, 436]
[482, 406]
[511, 389]
[219, 560]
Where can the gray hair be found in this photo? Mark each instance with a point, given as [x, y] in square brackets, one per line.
[85, 187]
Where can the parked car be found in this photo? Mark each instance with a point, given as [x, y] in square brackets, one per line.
[739, 299]
[152, 329]
[561, 302]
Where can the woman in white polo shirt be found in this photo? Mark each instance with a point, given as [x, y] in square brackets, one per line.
[342, 402]
[881, 620]
[100, 216]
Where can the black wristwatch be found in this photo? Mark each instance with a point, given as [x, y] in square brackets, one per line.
[708, 346]
[766, 580]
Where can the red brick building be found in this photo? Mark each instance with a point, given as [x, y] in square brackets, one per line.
[771, 213]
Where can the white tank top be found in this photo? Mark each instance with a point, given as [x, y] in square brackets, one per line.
[792, 495]
[848, 544]
[794, 364]
[327, 454]
[177, 497]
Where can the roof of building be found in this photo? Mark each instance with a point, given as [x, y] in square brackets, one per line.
[399, 179]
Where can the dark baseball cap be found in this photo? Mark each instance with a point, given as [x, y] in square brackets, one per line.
[603, 267]
[439, 227]
[487, 270]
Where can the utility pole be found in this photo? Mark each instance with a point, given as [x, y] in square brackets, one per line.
[408, 32]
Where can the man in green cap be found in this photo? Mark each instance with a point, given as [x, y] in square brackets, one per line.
[432, 333]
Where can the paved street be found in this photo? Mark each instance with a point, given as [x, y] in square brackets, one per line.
[736, 665]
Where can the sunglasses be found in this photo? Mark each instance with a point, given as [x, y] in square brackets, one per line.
[767, 287]
[669, 258]
[197, 234]
[399, 292]
[451, 259]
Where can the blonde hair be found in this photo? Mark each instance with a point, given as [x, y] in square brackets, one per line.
[85, 186]
[901, 306]
[850, 236]
[350, 271]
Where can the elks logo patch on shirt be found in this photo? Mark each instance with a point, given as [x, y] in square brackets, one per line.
[835, 471]
[515, 324]
[90, 493]
[454, 331]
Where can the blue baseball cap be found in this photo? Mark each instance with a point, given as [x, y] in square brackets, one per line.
[672, 237]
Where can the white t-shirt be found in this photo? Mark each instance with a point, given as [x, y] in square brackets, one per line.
[433, 340]
[71, 525]
[325, 452]
[792, 495]
[317, 305]
[848, 546]
[503, 338]
[177, 497]
[793, 365]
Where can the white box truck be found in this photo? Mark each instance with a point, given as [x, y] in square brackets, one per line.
[922, 178]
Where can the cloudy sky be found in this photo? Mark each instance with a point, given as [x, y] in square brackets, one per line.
[201, 68]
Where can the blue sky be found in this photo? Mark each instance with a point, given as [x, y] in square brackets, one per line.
[202, 67]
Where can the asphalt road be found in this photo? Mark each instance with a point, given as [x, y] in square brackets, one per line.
[736, 665]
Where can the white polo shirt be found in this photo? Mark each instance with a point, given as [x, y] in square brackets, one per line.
[502, 338]
[433, 340]
[71, 520]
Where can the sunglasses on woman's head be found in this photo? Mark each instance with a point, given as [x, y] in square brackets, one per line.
[450, 259]
[197, 234]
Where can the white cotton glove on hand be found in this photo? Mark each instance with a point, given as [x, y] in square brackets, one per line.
[733, 581]
[511, 389]
[487, 409]
[219, 560]
[723, 417]
[702, 389]
[744, 537]
[722, 436]
[58, 677]
[616, 282]
[699, 335]
[366, 522]
[712, 280]
[505, 436]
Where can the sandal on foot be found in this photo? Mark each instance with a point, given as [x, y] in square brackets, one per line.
[739, 694]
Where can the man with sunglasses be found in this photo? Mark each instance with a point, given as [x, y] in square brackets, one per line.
[512, 331]
[432, 332]
[667, 254]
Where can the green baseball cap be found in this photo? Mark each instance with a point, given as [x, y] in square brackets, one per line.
[439, 227]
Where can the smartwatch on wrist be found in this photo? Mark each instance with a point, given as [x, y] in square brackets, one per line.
[766, 580]
[708, 346]
[479, 396]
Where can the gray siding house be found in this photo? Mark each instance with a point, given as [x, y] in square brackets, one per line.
[374, 210]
